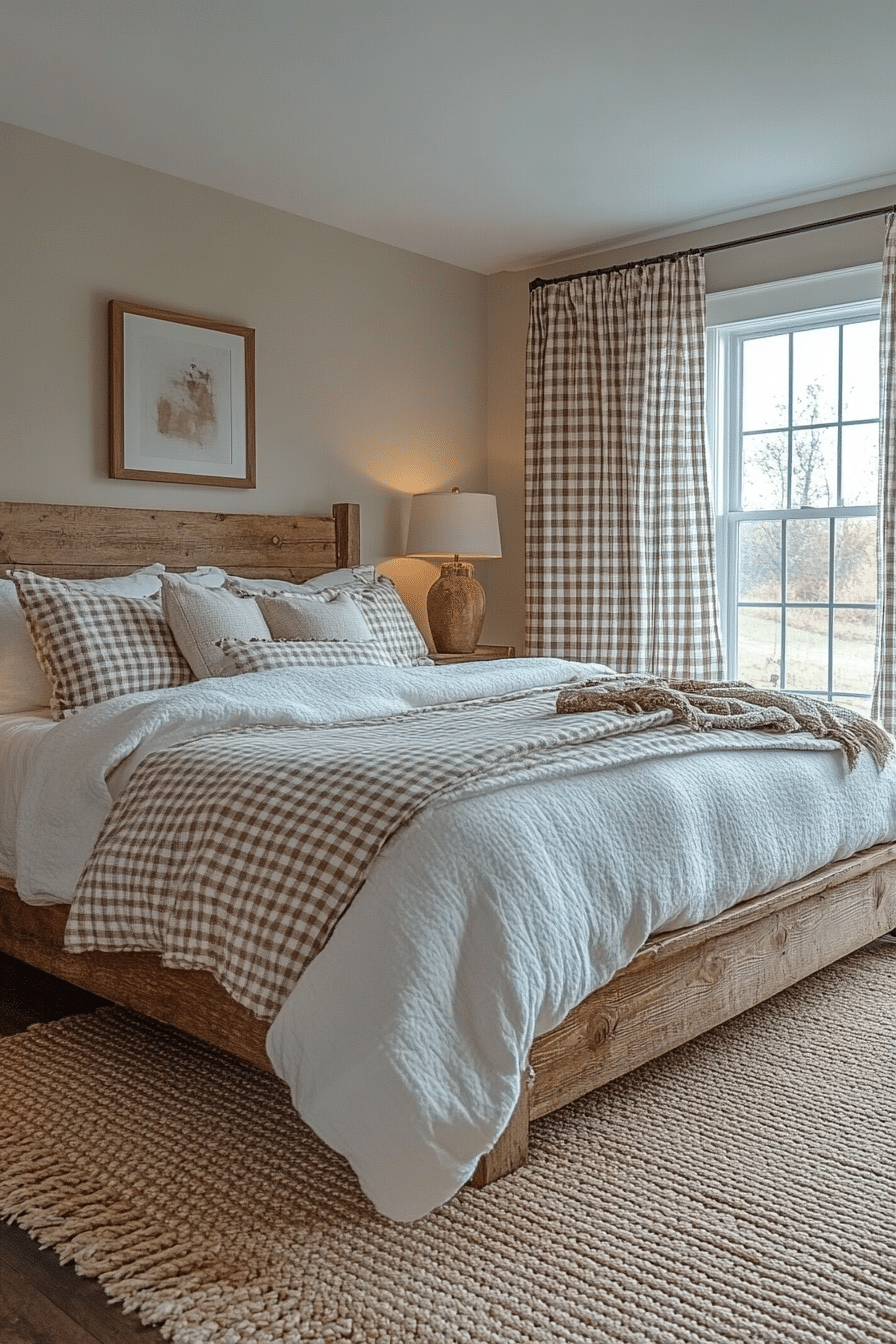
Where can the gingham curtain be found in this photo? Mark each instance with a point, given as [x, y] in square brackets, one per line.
[620, 561]
[883, 698]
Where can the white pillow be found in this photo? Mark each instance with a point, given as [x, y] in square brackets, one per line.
[307, 618]
[22, 681]
[206, 576]
[337, 578]
[144, 582]
[342, 578]
[199, 617]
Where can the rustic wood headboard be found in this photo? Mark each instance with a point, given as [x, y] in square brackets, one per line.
[84, 541]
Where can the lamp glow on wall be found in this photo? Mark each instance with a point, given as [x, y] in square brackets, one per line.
[457, 524]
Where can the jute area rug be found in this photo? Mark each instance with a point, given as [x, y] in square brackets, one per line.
[742, 1188]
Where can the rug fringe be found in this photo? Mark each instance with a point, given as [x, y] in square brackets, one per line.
[701, 1199]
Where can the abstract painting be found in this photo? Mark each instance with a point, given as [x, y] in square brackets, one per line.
[181, 398]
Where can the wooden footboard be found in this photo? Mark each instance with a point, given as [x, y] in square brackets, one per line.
[684, 983]
[190, 1000]
[679, 985]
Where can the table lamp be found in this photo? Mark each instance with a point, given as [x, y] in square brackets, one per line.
[457, 524]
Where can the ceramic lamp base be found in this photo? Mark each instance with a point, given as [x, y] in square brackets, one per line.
[455, 605]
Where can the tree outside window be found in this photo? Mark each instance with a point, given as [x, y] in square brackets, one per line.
[801, 523]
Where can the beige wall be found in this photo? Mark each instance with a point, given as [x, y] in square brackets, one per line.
[370, 360]
[508, 306]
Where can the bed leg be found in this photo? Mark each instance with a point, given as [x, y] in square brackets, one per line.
[512, 1148]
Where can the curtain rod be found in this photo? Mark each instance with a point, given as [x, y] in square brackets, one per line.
[717, 247]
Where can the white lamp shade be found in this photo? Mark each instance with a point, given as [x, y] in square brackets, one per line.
[454, 524]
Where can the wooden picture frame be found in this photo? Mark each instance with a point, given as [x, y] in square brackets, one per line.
[181, 398]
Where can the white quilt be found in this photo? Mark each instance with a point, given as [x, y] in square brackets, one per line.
[484, 921]
[19, 734]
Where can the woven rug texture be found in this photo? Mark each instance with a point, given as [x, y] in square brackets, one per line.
[742, 1188]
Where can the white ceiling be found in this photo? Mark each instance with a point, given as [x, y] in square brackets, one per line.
[488, 133]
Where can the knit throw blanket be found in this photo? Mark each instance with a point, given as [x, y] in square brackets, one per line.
[705, 705]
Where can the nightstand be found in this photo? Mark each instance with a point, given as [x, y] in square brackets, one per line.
[483, 654]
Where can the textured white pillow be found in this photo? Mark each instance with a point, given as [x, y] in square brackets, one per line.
[22, 681]
[199, 617]
[206, 576]
[294, 617]
[336, 578]
[341, 578]
[144, 582]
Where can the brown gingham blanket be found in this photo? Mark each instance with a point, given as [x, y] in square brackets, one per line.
[237, 853]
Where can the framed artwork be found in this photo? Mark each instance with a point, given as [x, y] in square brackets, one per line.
[181, 398]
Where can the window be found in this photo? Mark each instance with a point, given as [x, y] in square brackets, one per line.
[795, 410]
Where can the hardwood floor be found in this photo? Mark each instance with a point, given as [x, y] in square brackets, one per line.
[41, 1301]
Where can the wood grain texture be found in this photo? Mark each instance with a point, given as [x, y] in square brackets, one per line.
[682, 984]
[347, 522]
[44, 1302]
[512, 1149]
[483, 653]
[79, 541]
[28, 1316]
[190, 1000]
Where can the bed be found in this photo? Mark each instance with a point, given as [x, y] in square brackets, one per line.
[682, 982]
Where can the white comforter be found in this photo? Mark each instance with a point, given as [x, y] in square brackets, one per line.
[489, 917]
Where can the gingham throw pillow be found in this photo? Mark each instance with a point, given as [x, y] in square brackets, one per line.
[391, 624]
[259, 655]
[96, 646]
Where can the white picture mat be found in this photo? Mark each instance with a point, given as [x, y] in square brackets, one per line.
[158, 356]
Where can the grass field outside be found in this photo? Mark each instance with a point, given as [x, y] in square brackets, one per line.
[759, 650]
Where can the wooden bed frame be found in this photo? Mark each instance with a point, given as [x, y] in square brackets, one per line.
[679, 985]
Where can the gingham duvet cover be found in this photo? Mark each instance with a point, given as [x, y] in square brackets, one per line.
[499, 901]
[238, 853]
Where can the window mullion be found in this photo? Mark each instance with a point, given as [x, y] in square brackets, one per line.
[833, 527]
[788, 487]
[734, 435]
[840, 420]
[748, 568]
[782, 670]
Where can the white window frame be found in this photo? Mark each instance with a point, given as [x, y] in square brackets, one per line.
[732, 317]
